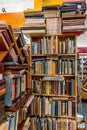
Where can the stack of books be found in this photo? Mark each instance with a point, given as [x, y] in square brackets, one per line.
[73, 16]
[53, 19]
[35, 23]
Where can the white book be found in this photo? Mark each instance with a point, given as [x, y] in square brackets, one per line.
[30, 99]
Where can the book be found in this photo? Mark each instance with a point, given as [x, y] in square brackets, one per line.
[26, 124]
[3, 44]
[28, 102]
[37, 63]
[6, 36]
[8, 95]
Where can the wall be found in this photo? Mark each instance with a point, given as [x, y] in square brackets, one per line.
[16, 5]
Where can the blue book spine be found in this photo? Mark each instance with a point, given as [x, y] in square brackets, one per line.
[9, 123]
[59, 66]
[53, 108]
[56, 108]
[32, 49]
[44, 64]
[8, 95]
[41, 124]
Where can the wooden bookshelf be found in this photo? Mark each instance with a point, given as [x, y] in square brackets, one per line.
[53, 57]
[16, 106]
[15, 71]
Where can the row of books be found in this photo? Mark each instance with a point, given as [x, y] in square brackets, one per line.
[54, 45]
[5, 37]
[19, 37]
[44, 106]
[67, 87]
[11, 44]
[53, 66]
[15, 85]
[52, 124]
[15, 119]
[12, 118]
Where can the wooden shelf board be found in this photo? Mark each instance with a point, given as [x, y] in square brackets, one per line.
[2, 92]
[2, 55]
[65, 75]
[69, 117]
[15, 66]
[18, 105]
[44, 55]
[55, 95]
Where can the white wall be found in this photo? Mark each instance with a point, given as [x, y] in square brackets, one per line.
[16, 5]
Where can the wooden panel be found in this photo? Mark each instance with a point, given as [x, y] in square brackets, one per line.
[16, 19]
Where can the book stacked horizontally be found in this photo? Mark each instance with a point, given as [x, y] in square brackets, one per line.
[53, 19]
[35, 23]
[73, 16]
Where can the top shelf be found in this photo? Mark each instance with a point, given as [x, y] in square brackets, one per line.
[43, 55]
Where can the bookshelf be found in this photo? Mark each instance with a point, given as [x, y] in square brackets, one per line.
[54, 81]
[14, 70]
[82, 71]
[82, 61]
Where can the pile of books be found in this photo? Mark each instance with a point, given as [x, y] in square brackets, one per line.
[53, 19]
[35, 23]
[73, 16]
